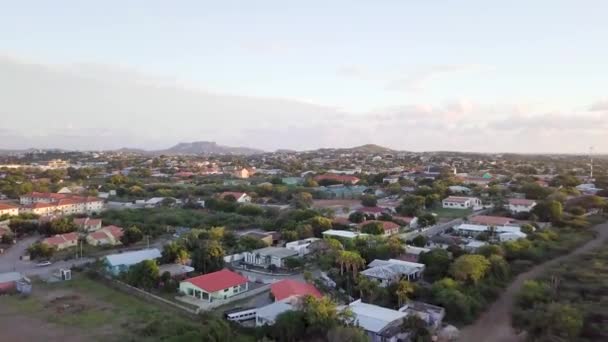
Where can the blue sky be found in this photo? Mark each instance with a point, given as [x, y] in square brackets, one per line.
[359, 57]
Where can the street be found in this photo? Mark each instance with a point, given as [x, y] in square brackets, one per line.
[11, 261]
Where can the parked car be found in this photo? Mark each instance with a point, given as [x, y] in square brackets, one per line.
[43, 263]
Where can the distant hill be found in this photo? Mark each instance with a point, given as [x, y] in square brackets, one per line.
[371, 148]
[207, 147]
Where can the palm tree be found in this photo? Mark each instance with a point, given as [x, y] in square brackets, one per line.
[366, 287]
[404, 290]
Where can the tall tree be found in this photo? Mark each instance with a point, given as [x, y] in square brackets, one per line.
[471, 268]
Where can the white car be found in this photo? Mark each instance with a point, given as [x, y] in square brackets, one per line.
[43, 263]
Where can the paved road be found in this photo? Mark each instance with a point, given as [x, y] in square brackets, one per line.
[494, 325]
[11, 261]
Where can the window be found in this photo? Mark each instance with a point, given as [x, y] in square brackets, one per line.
[226, 290]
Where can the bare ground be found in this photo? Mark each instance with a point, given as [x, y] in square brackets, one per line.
[494, 325]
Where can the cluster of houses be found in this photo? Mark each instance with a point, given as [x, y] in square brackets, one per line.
[92, 232]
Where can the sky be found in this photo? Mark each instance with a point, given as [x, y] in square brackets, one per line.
[420, 75]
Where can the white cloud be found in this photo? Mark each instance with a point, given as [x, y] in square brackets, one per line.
[58, 106]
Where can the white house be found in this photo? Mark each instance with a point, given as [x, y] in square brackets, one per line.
[380, 324]
[240, 197]
[342, 234]
[301, 246]
[389, 271]
[269, 256]
[458, 202]
[520, 205]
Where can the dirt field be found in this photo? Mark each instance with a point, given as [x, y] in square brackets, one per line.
[495, 324]
[78, 310]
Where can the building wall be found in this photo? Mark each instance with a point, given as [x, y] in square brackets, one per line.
[191, 290]
[10, 212]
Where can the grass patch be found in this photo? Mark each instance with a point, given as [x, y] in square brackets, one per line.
[448, 213]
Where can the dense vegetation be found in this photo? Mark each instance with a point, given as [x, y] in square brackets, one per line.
[568, 303]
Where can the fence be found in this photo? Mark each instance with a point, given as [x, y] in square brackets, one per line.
[149, 297]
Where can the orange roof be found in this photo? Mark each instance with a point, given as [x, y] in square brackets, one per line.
[288, 288]
[60, 238]
[490, 220]
[386, 225]
[457, 199]
[4, 206]
[86, 221]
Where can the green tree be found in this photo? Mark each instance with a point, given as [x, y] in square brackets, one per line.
[208, 257]
[131, 235]
[470, 268]
[289, 326]
[373, 228]
[404, 290]
[532, 293]
[437, 263]
[174, 253]
[369, 201]
[411, 205]
[40, 250]
[548, 211]
[144, 274]
[426, 220]
[356, 217]
[319, 225]
[302, 200]
[350, 334]
[419, 241]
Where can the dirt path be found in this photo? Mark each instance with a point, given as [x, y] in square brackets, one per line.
[494, 325]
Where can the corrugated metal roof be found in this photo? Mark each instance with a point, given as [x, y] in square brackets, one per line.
[132, 258]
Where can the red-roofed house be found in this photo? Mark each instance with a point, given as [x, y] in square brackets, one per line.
[8, 209]
[337, 178]
[62, 241]
[406, 221]
[109, 235]
[214, 286]
[519, 205]
[374, 211]
[390, 228]
[241, 197]
[490, 220]
[289, 288]
[43, 203]
[88, 224]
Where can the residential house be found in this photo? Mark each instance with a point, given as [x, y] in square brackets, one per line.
[380, 324]
[292, 181]
[392, 179]
[342, 191]
[8, 209]
[443, 241]
[520, 205]
[375, 212]
[390, 271]
[106, 236]
[60, 204]
[491, 220]
[268, 314]
[458, 202]
[288, 288]
[265, 237]
[458, 189]
[121, 262]
[214, 286]
[389, 228]
[301, 246]
[345, 179]
[265, 257]
[473, 230]
[432, 315]
[406, 221]
[240, 197]
[62, 241]
[412, 253]
[342, 234]
[87, 224]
